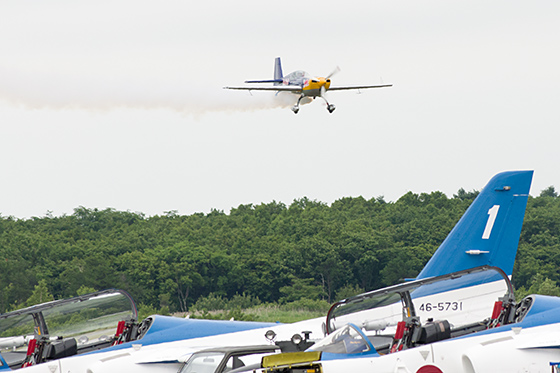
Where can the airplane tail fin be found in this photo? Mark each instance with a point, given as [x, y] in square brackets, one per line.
[3, 365]
[488, 233]
[278, 75]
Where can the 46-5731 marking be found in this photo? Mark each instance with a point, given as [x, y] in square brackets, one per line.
[441, 306]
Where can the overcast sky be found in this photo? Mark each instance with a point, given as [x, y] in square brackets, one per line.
[119, 104]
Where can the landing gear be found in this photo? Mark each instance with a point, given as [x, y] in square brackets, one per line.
[295, 108]
[330, 107]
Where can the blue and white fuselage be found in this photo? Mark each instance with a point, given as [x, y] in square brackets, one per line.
[529, 345]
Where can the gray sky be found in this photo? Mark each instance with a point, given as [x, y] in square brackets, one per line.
[120, 103]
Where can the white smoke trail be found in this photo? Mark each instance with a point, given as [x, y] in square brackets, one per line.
[55, 89]
[102, 55]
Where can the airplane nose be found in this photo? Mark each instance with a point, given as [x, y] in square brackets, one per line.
[320, 83]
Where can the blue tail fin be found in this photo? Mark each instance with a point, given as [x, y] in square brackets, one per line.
[3, 365]
[488, 233]
[278, 76]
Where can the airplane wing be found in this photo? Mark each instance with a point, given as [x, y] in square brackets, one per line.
[348, 87]
[276, 88]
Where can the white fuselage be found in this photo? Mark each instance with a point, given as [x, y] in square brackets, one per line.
[513, 350]
[168, 357]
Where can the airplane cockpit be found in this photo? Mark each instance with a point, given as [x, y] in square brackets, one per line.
[420, 312]
[63, 328]
[347, 340]
[297, 77]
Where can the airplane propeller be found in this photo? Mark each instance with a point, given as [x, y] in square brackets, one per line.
[335, 71]
[323, 95]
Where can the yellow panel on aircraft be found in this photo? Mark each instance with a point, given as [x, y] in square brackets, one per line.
[290, 358]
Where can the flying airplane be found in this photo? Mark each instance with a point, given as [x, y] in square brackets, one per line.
[301, 83]
[487, 234]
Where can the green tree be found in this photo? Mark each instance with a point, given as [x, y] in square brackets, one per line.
[539, 285]
[348, 291]
[549, 192]
[40, 294]
[83, 290]
[301, 289]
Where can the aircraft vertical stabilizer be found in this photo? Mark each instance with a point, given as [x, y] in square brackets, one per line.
[278, 76]
[3, 365]
[488, 233]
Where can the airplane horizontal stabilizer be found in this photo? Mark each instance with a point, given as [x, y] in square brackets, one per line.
[265, 81]
[276, 88]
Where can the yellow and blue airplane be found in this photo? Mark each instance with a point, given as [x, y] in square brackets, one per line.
[300, 82]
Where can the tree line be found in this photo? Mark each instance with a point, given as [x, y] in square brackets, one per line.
[271, 252]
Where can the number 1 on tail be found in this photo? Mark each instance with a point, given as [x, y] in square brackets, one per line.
[492, 214]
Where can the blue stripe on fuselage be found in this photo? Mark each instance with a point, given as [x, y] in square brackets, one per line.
[169, 329]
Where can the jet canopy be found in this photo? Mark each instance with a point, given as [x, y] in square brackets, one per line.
[71, 326]
[421, 311]
[297, 77]
[347, 340]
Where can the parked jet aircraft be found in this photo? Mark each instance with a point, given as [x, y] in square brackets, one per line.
[389, 334]
[301, 83]
[487, 234]
[94, 322]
